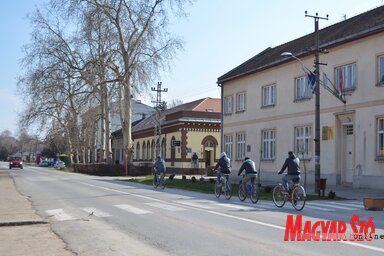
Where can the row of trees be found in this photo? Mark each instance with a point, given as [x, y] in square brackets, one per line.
[88, 53]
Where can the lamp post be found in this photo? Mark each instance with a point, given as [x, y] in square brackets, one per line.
[317, 96]
[317, 100]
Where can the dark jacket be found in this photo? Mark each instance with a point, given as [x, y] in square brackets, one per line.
[224, 165]
[292, 163]
[160, 166]
[249, 167]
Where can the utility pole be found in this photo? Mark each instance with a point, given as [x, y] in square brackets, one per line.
[317, 99]
[158, 102]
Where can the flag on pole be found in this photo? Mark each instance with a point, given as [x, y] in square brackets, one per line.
[340, 81]
[311, 81]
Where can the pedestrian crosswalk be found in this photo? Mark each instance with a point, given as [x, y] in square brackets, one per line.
[182, 204]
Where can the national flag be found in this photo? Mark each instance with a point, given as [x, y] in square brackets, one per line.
[340, 81]
[311, 81]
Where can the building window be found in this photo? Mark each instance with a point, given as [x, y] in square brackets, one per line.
[240, 102]
[269, 144]
[381, 70]
[302, 88]
[228, 145]
[380, 138]
[303, 139]
[240, 146]
[346, 78]
[228, 105]
[269, 95]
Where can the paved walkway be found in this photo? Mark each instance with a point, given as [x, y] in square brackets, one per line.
[23, 232]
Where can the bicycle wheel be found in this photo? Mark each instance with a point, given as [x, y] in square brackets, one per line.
[155, 181]
[242, 192]
[278, 197]
[254, 196]
[298, 198]
[162, 182]
[217, 189]
[228, 190]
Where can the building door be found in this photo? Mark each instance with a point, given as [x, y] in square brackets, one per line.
[207, 158]
[348, 154]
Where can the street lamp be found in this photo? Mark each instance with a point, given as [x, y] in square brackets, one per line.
[289, 54]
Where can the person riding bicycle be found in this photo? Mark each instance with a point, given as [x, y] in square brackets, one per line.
[250, 171]
[292, 162]
[224, 164]
[159, 166]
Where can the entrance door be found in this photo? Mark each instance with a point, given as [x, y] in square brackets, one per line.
[348, 155]
[207, 158]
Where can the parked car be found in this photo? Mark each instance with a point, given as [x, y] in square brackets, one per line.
[59, 165]
[15, 161]
[44, 163]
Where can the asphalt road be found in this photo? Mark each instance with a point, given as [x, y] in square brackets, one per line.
[103, 216]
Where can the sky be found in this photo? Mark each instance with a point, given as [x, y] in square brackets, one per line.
[218, 35]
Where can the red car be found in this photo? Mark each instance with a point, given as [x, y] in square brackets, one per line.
[15, 161]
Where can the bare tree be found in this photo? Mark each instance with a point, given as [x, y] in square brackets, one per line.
[52, 83]
[143, 44]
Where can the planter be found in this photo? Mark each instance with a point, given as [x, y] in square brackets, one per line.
[373, 203]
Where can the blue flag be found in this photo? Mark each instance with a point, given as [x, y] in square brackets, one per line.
[312, 81]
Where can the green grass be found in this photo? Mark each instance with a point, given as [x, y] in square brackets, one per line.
[207, 186]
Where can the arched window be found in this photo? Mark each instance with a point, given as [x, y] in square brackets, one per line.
[153, 150]
[138, 151]
[163, 148]
[144, 151]
[148, 151]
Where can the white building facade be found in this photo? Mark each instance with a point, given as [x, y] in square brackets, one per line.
[269, 108]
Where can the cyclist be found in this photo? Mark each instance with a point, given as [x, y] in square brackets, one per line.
[292, 163]
[224, 164]
[250, 171]
[159, 166]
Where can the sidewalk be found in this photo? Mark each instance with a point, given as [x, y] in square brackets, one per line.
[22, 231]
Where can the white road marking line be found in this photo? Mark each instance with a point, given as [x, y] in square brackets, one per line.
[96, 212]
[168, 207]
[59, 214]
[132, 209]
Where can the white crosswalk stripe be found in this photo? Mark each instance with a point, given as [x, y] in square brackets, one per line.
[327, 204]
[354, 205]
[132, 209]
[59, 214]
[167, 207]
[96, 212]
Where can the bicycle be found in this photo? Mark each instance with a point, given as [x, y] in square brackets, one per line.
[158, 180]
[249, 189]
[296, 195]
[223, 186]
